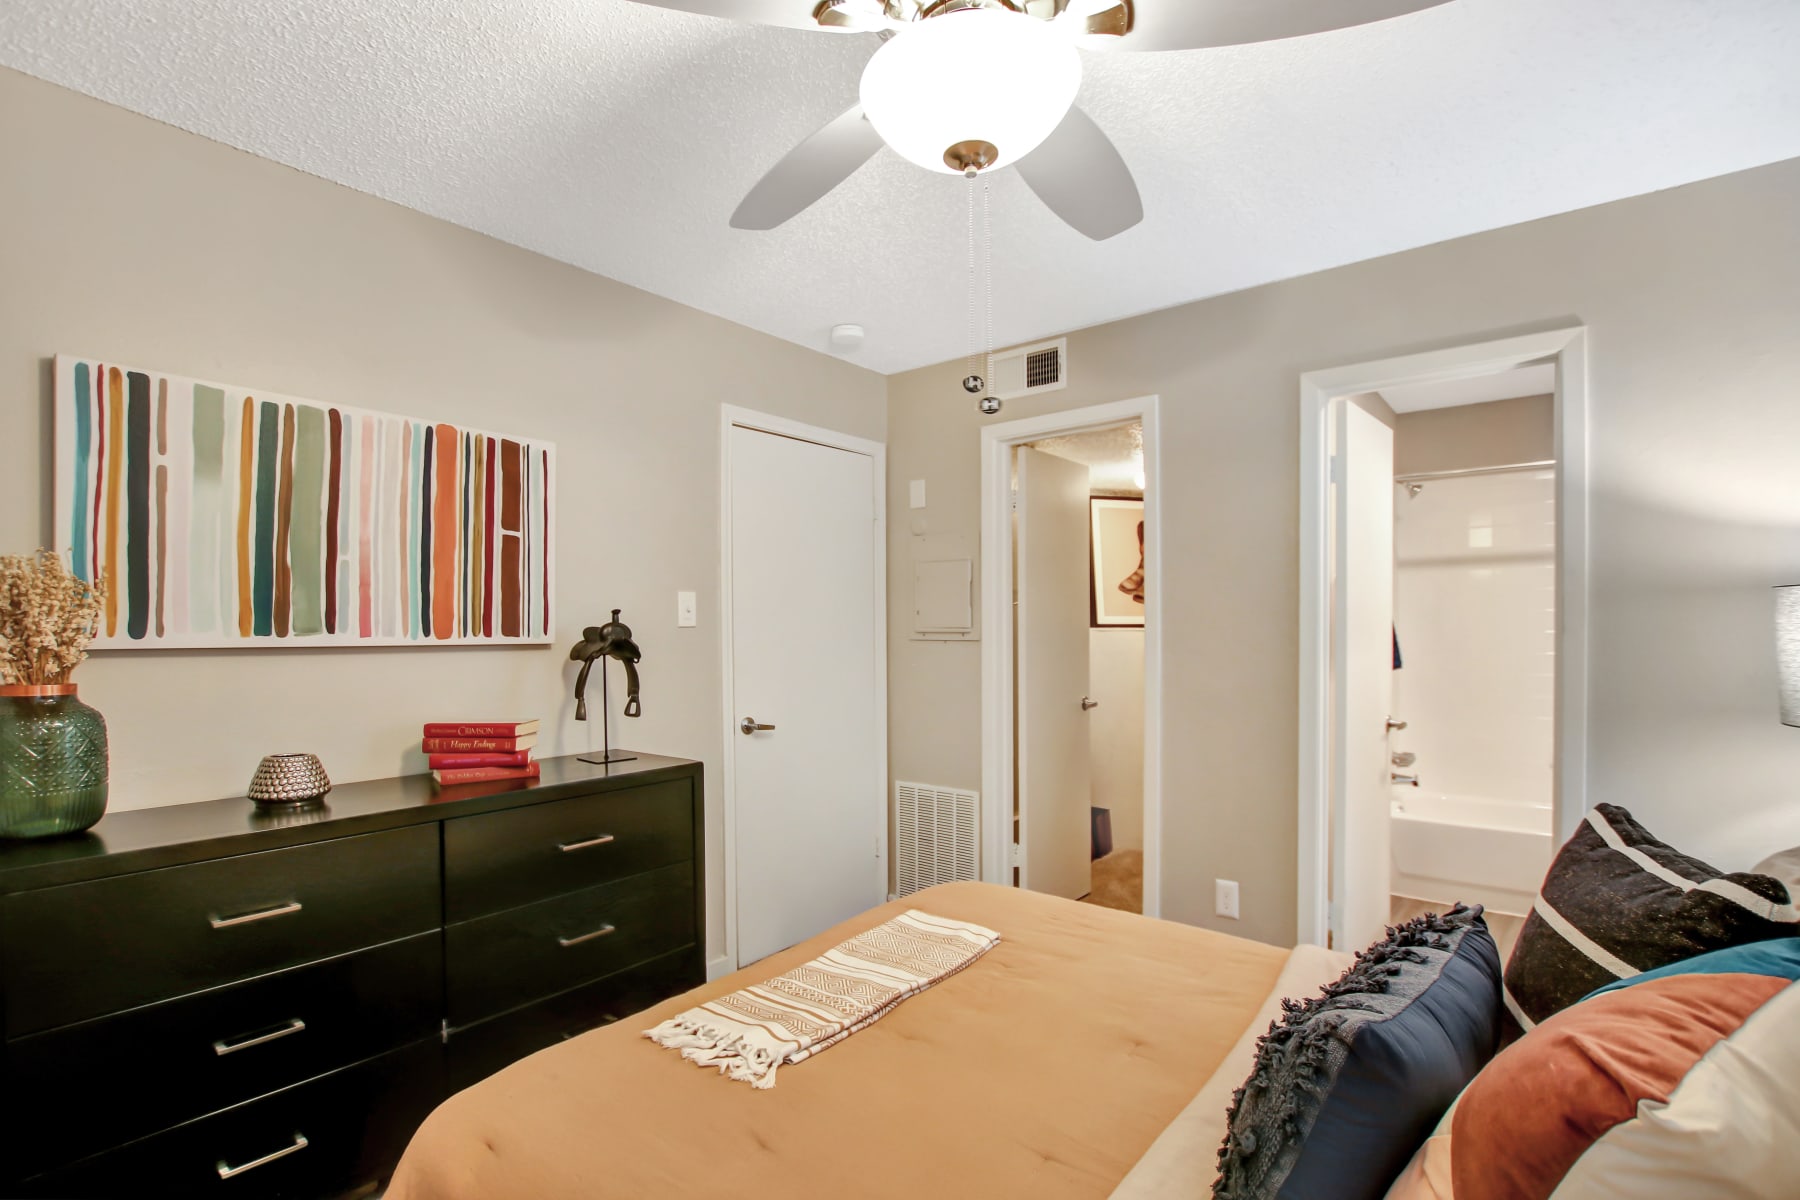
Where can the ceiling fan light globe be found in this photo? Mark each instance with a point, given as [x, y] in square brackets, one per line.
[978, 75]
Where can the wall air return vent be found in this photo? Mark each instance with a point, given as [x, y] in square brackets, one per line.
[935, 836]
[1029, 370]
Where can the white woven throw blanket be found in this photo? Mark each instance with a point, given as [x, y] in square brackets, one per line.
[750, 1033]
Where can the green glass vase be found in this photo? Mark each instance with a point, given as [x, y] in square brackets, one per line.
[52, 761]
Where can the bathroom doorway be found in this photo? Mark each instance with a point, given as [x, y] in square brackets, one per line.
[1473, 747]
[1442, 635]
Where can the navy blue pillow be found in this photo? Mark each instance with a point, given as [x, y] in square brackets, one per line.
[1348, 1085]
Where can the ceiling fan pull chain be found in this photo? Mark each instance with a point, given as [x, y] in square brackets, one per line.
[981, 333]
[987, 233]
[974, 381]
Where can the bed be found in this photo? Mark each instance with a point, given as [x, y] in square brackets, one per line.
[1091, 1054]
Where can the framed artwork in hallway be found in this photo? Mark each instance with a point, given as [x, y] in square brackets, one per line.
[1117, 570]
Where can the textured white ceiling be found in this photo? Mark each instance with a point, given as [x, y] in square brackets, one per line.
[619, 138]
[1112, 456]
[1534, 379]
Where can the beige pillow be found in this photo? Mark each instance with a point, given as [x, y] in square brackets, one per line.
[1785, 867]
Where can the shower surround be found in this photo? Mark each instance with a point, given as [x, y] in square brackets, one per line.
[1475, 614]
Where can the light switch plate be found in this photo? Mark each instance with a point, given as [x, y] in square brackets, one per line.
[686, 611]
[917, 493]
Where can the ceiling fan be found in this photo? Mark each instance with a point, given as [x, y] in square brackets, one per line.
[969, 86]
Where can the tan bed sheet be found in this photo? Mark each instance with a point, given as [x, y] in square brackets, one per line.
[1044, 1070]
[1184, 1161]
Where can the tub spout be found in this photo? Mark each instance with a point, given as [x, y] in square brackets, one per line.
[1399, 778]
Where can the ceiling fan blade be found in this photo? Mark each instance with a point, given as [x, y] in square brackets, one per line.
[1197, 24]
[1083, 179]
[794, 14]
[811, 169]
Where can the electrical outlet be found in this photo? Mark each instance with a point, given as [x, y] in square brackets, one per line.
[1225, 898]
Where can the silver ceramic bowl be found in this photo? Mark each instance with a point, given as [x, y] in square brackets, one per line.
[289, 779]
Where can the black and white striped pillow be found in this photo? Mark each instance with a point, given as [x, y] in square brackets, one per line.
[1618, 902]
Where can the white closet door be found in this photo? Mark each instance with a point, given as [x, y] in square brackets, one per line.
[809, 807]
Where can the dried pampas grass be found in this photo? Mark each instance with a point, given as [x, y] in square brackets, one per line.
[47, 618]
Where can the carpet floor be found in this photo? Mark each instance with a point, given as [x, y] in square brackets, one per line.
[1118, 881]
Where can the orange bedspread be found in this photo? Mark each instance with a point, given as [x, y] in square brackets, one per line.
[1044, 1070]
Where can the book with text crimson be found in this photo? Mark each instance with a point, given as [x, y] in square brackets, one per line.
[472, 745]
[443, 762]
[480, 729]
[485, 774]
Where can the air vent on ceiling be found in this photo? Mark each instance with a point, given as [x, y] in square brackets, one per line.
[1029, 370]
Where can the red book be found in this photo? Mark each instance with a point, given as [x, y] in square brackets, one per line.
[474, 745]
[480, 729]
[451, 762]
[485, 774]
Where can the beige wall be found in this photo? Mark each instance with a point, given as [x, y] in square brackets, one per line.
[1373, 404]
[1499, 433]
[1695, 467]
[126, 238]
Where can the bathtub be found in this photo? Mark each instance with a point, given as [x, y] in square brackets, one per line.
[1491, 852]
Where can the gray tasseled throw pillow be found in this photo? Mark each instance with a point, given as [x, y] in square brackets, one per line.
[1347, 1086]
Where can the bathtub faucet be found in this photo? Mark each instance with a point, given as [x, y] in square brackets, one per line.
[1399, 778]
[1405, 758]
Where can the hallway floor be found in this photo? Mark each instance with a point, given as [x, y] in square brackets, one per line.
[1118, 881]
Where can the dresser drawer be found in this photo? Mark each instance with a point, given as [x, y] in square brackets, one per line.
[85, 949]
[488, 1046]
[511, 958]
[168, 1063]
[342, 1132]
[504, 859]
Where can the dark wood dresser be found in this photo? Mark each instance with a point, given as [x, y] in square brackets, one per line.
[207, 1000]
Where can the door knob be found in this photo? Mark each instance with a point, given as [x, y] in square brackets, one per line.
[1086, 704]
[749, 726]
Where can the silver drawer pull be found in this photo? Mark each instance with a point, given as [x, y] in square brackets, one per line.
[222, 1048]
[227, 1171]
[566, 942]
[593, 841]
[280, 910]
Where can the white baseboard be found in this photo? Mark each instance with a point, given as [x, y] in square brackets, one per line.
[717, 967]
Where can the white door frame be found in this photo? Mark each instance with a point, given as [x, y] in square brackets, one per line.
[1568, 347]
[731, 416]
[997, 715]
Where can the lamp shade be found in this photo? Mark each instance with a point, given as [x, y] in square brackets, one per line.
[975, 75]
[1787, 650]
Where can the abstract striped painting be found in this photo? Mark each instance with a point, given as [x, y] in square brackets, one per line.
[227, 516]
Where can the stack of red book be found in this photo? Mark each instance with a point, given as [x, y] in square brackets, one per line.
[480, 751]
